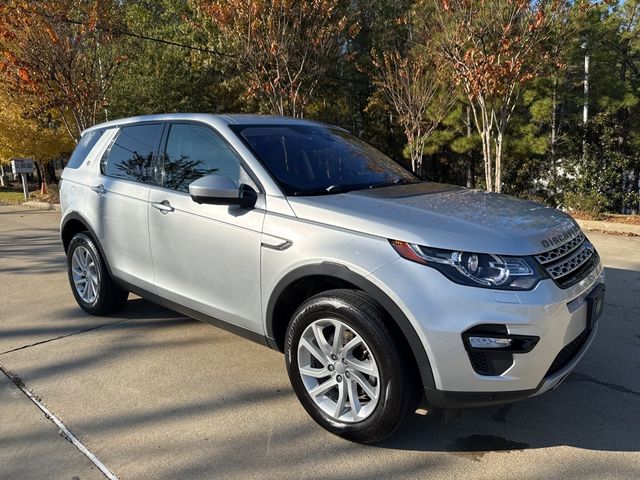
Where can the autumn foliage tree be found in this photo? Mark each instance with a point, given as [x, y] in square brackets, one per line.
[22, 136]
[56, 54]
[493, 48]
[417, 93]
[283, 48]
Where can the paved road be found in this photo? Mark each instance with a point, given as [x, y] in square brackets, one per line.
[155, 395]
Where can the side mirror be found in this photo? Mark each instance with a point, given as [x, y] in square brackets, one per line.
[221, 190]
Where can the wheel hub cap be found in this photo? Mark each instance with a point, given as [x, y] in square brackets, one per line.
[338, 370]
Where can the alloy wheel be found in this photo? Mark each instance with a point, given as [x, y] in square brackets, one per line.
[338, 370]
[85, 274]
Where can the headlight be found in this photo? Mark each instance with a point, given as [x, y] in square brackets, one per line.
[475, 269]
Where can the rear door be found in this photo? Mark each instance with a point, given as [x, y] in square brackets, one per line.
[206, 257]
[127, 170]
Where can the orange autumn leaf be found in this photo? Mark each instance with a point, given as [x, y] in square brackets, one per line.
[24, 75]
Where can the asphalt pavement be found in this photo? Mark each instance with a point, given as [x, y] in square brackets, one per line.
[151, 394]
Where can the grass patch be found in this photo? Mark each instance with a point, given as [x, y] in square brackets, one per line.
[11, 198]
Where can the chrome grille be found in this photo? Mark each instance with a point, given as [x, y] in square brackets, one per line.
[561, 250]
[570, 262]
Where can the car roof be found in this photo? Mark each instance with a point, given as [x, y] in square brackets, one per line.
[226, 119]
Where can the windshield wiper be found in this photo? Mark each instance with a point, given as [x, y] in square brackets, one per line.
[406, 181]
[337, 188]
[330, 190]
[400, 181]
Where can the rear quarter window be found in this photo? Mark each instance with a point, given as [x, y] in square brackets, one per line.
[86, 144]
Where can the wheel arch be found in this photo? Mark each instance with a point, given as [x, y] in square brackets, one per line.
[285, 299]
[74, 223]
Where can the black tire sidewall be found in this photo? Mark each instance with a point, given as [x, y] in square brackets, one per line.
[388, 412]
[83, 240]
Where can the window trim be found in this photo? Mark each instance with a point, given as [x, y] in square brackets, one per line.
[107, 151]
[163, 148]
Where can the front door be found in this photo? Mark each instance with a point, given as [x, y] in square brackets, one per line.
[206, 257]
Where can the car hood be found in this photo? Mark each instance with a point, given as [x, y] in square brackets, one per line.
[442, 216]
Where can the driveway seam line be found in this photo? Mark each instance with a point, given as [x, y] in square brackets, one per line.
[58, 423]
[64, 336]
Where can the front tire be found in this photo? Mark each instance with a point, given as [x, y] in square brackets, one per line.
[347, 368]
[92, 286]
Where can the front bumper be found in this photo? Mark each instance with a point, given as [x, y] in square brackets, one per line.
[453, 400]
[441, 311]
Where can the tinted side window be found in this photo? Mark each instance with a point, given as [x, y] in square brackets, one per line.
[86, 144]
[131, 156]
[194, 151]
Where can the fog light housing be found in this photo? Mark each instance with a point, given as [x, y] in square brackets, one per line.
[497, 337]
[491, 347]
[489, 342]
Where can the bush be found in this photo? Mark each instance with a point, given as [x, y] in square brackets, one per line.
[591, 203]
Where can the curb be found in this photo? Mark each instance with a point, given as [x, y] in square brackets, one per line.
[43, 205]
[609, 227]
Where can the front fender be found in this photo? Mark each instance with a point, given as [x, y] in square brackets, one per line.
[342, 273]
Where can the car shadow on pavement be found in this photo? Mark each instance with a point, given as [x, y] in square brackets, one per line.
[597, 407]
[138, 308]
[73, 320]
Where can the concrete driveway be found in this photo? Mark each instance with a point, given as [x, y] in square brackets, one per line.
[154, 395]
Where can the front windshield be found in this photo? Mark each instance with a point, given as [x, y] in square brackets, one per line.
[317, 160]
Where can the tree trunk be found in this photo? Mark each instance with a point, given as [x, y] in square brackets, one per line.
[498, 161]
[416, 161]
[488, 164]
[413, 152]
[38, 172]
[470, 183]
[484, 125]
[50, 172]
[635, 184]
[585, 105]
[486, 148]
[552, 146]
[420, 154]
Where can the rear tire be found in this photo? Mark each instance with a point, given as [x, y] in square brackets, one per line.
[364, 386]
[92, 286]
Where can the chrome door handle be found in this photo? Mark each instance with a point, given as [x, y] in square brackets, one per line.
[99, 189]
[164, 206]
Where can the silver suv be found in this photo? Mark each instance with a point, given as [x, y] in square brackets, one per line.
[383, 291]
